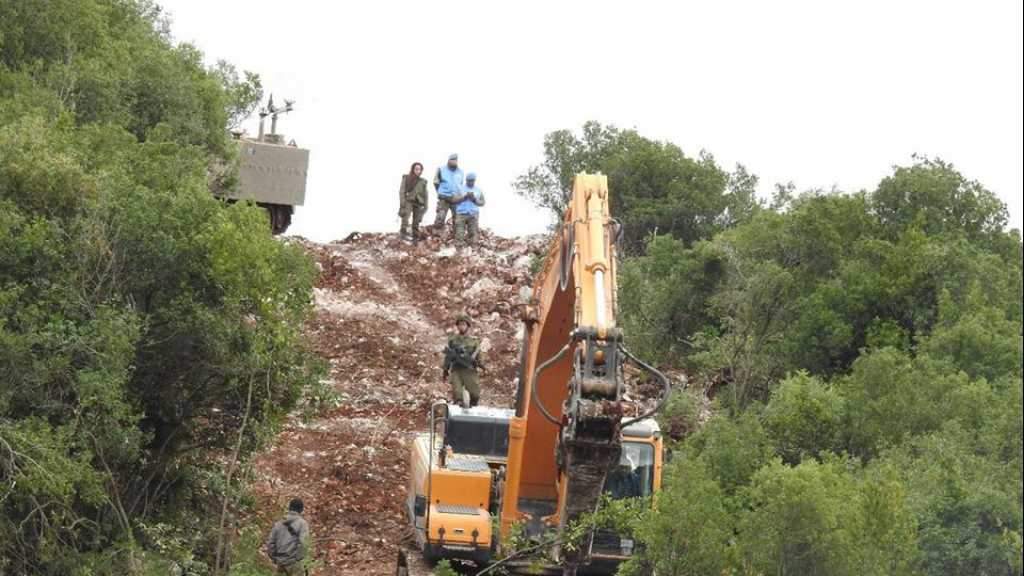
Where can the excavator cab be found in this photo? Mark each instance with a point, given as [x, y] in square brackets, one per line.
[638, 475]
[480, 431]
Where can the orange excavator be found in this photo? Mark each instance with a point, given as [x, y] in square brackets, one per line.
[488, 483]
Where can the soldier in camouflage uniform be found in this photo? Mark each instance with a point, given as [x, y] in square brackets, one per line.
[461, 362]
[412, 197]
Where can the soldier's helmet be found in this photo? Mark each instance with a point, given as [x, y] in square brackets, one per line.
[463, 318]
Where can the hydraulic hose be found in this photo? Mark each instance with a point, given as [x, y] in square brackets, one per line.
[666, 387]
[533, 384]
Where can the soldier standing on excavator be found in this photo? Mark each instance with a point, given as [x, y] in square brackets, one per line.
[461, 361]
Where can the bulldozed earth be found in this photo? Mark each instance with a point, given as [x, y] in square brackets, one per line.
[383, 309]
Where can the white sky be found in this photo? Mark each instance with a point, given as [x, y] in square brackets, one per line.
[821, 93]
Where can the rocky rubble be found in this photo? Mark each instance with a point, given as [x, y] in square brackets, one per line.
[383, 308]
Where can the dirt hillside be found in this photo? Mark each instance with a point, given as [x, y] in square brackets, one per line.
[383, 308]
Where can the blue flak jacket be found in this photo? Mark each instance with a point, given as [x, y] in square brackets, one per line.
[470, 207]
[451, 181]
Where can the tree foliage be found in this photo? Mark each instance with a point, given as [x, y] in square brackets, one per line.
[690, 531]
[805, 418]
[887, 353]
[819, 519]
[864, 353]
[137, 311]
[654, 186]
[811, 287]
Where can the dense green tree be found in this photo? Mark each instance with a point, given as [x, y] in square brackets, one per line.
[689, 531]
[675, 284]
[819, 518]
[983, 343]
[933, 197]
[864, 352]
[804, 418]
[565, 154]
[113, 61]
[732, 448]
[145, 326]
[653, 185]
[811, 287]
[966, 500]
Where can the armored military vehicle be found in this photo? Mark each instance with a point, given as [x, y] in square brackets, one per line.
[271, 172]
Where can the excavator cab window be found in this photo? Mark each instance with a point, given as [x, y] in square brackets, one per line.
[634, 477]
[478, 432]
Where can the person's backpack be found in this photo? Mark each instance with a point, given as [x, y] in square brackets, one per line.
[291, 529]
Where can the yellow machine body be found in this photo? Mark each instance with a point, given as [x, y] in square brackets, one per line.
[572, 436]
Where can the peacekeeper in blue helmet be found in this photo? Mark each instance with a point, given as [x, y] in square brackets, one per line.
[467, 211]
[448, 182]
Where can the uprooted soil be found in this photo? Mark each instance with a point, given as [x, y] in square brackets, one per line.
[383, 308]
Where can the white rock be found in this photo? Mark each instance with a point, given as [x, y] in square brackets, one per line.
[481, 285]
[525, 294]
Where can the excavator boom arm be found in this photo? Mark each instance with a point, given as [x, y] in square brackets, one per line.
[566, 434]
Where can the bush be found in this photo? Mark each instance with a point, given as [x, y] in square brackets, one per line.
[681, 415]
[804, 418]
[967, 504]
[819, 519]
[143, 322]
[689, 530]
[444, 568]
[733, 449]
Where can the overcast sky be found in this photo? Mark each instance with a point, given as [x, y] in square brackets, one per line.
[819, 93]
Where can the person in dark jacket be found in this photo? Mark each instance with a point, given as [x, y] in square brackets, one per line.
[289, 541]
